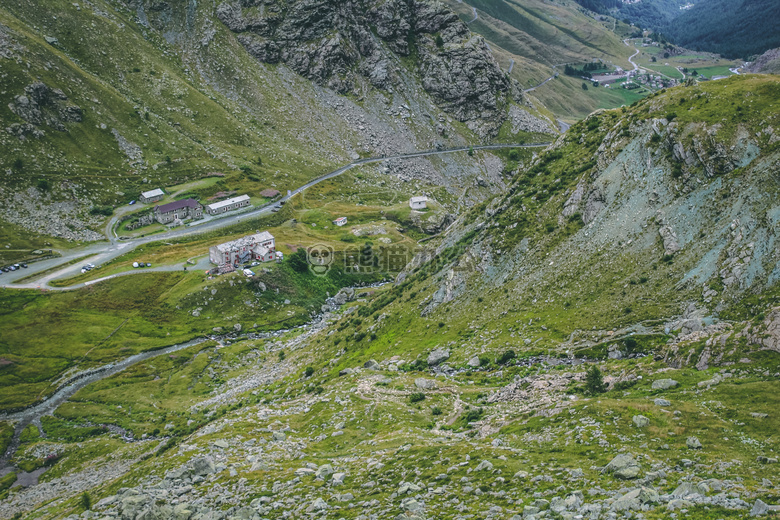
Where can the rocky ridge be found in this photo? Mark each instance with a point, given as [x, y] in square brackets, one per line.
[343, 44]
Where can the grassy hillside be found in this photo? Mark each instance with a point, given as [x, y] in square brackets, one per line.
[602, 325]
[538, 38]
[164, 96]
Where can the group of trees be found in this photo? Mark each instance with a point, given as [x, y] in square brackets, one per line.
[585, 71]
[733, 28]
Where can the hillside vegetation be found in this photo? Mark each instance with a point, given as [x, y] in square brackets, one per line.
[738, 29]
[600, 340]
[103, 101]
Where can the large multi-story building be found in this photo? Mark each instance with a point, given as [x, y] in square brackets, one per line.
[261, 247]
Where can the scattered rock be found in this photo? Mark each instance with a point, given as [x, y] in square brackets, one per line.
[425, 384]
[664, 384]
[693, 443]
[623, 466]
[371, 365]
[438, 356]
[485, 465]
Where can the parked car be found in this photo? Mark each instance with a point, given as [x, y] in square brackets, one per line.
[24, 265]
[131, 203]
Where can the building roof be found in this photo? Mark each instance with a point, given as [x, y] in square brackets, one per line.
[153, 193]
[227, 202]
[177, 204]
[244, 242]
[419, 199]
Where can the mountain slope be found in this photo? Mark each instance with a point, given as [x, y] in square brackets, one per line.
[734, 29]
[143, 93]
[611, 323]
[632, 216]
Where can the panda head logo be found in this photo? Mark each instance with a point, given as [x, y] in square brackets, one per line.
[320, 257]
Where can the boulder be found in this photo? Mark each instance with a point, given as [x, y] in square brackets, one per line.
[318, 505]
[424, 384]
[693, 443]
[640, 421]
[438, 356]
[662, 402]
[304, 472]
[686, 489]
[473, 362]
[678, 503]
[324, 471]
[664, 384]
[278, 436]
[628, 502]
[408, 487]
[203, 466]
[485, 465]
[623, 466]
[371, 365]
[410, 504]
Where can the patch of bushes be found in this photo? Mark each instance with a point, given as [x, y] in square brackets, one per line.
[416, 397]
[506, 357]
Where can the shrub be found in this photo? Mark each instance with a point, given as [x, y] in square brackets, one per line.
[473, 415]
[298, 261]
[416, 397]
[506, 357]
[594, 381]
[309, 372]
[85, 501]
[436, 411]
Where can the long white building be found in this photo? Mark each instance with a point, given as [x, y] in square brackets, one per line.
[261, 247]
[226, 205]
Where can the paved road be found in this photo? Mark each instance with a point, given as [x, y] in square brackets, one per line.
[102, 252]
[542, 83]
[631, 58]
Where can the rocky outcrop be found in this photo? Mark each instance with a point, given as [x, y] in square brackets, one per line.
[767, 63]
[41, 105]
[343, 44]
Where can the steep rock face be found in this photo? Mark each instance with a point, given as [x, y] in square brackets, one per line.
[42, 105]
[626, 198]
[341, 44]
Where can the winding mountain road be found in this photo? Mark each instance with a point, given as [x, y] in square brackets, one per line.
[631, 58]
[542, 83]
[102, 252]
